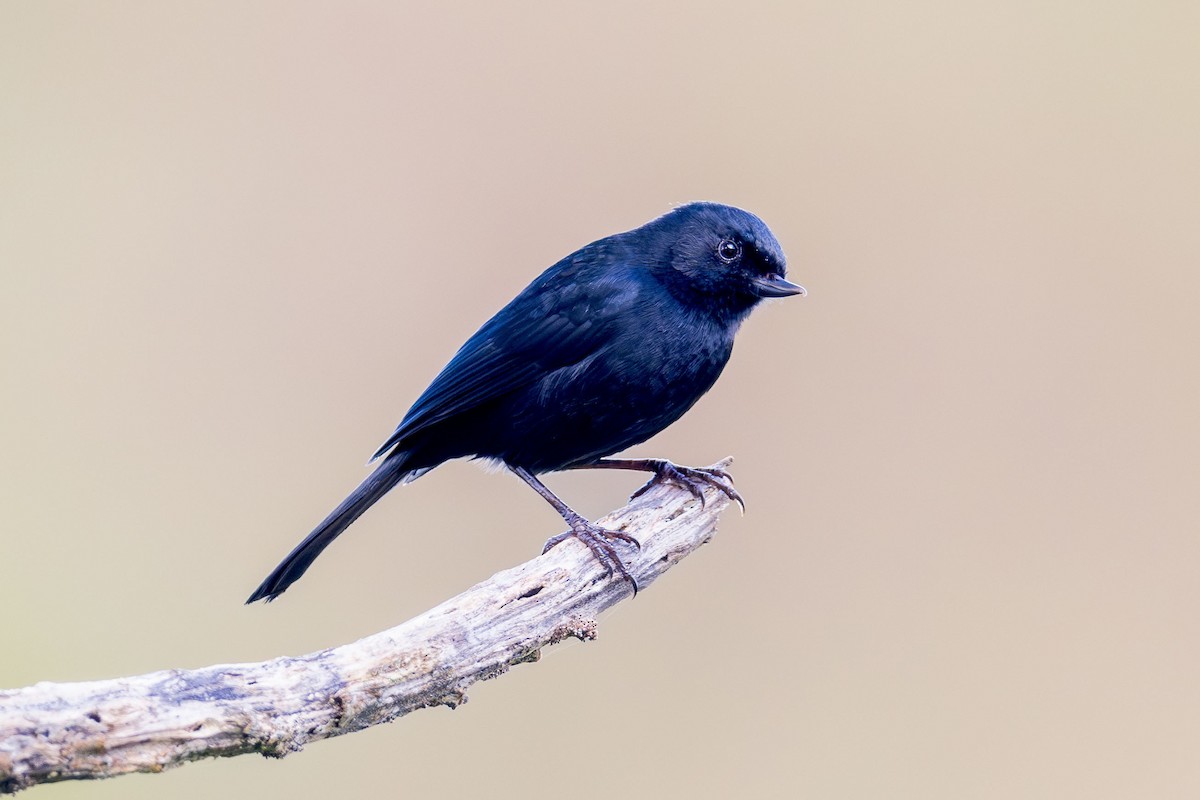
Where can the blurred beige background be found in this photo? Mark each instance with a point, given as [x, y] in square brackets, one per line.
[237, 240]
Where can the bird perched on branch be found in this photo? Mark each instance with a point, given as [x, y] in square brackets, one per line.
[602, 351]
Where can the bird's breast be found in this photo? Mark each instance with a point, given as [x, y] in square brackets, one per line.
[623, 393]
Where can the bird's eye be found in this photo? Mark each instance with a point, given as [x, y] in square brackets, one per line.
[729, 250]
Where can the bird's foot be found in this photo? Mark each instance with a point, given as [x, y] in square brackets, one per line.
[694, 479]
[602, 543]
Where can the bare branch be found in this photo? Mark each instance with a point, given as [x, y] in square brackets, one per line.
[148, 723]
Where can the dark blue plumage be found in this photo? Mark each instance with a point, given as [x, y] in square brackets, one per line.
[603, 350]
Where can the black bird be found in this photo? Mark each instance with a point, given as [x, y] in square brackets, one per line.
[602, 351]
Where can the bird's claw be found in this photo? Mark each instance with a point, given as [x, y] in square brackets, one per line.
[694, 479]
[601, 542]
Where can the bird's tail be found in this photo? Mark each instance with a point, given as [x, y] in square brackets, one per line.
[391, 472]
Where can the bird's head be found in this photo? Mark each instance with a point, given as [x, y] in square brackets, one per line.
[722, 255]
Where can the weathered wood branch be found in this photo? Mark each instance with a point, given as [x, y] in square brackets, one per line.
[148, 723]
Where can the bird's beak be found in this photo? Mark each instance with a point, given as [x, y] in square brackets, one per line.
[773, 285]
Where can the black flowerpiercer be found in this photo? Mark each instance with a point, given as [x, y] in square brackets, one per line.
[602, 351]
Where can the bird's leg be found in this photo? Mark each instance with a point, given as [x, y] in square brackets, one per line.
[598, 540]
[694, 479]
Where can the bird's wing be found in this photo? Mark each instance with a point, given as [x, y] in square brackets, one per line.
[558, 321]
